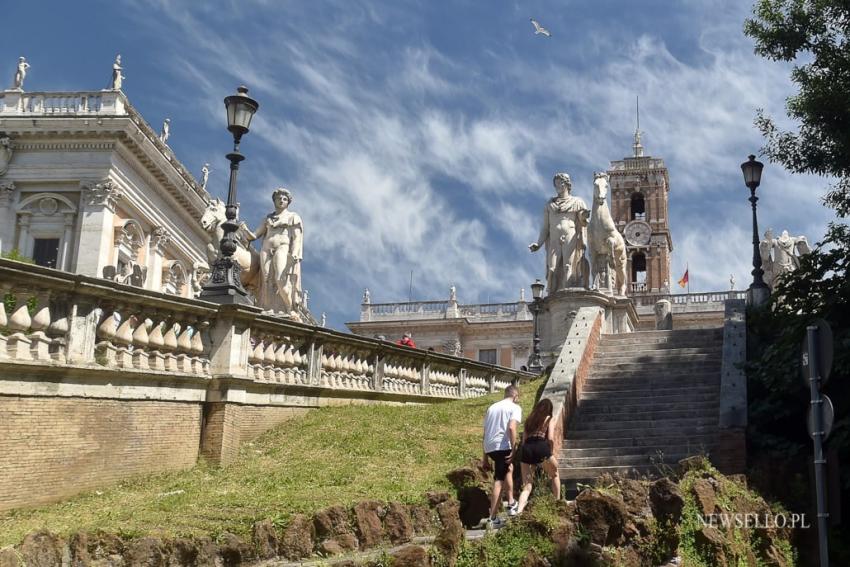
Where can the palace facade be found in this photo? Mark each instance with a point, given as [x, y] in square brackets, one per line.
[87, 186]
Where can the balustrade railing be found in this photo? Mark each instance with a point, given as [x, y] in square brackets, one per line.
[689, 298]
[441, 309]
[56, 318]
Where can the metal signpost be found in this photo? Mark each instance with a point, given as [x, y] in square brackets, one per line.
[817, 363]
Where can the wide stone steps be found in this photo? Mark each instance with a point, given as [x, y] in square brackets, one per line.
[618, 414]
[670, 439]
[641, 395]
[650, 399]
[623, 460]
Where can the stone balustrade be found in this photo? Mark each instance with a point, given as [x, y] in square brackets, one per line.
[60, 319]
[513, 311]
[84, 103]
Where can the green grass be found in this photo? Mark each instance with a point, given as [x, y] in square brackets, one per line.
[329, 456]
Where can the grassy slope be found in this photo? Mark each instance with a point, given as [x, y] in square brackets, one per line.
[329, 456]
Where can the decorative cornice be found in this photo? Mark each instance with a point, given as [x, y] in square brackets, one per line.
[104, 193]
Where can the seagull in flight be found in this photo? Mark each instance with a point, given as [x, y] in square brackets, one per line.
[538, 29]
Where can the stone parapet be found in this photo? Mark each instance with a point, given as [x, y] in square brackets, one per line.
[124, 375]
[563, 388]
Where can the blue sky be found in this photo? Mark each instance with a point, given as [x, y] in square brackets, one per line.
[424, 135]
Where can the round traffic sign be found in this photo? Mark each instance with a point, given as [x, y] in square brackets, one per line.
[828, 418]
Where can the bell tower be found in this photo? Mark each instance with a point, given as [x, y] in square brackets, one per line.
[639, 190]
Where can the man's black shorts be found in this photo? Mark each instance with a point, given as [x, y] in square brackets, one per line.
[501, 465]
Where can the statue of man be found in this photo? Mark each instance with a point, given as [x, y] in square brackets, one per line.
[564, 235]
[166, 130]
[117, 74]
[766, 253]
[6, 150]
[280, 257]
[20, 74]
[205, 175]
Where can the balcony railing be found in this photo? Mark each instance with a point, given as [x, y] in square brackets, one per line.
[689, 298]
[77, 103]
[54, 318]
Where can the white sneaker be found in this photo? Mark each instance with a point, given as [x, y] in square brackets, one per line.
[495, 523]
[513, 510]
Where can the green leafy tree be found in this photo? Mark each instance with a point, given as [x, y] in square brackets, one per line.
[815, 36]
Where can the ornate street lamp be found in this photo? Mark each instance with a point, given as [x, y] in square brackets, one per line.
[759, 292]
[225, 284]
[534, 363]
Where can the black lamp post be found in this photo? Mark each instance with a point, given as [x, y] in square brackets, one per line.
[534, 363]
[225, 284]
[759, 292]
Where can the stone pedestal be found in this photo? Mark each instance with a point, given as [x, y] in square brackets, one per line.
[560, 308]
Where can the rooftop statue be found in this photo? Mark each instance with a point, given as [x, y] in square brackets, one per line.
[117, 74]
[781, 255]
[166, 130]
[205, 175]
[282, 231]
[20, 74]
[607, 246]
[563, 233]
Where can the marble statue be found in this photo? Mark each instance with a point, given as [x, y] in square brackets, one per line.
[20, 74]
[367, 297]
[781, 255]
[324, 319]
[563, 233]
[732, 282]
[305, 297]
[166, 131]
[453, 293]
[522, 295]
[246, 256]
[205, 175]
[6, 150]
[117, 74]
[280, 257]
[607, 246]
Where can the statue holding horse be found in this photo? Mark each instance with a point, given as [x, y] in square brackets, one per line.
[607, 246]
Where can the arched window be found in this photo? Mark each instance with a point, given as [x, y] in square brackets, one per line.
[638, 272]
[638, 207]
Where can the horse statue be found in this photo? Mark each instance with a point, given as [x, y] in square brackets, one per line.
[607, 247]
[246, 255]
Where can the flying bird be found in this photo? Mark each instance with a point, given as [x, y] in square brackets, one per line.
[538, 29]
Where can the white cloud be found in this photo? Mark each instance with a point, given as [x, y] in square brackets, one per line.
[367, 138]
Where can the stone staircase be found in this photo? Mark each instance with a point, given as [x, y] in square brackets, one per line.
[651, 399]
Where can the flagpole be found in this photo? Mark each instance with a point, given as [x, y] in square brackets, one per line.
[688, 271]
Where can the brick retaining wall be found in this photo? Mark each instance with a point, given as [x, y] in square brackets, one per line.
[56, 447]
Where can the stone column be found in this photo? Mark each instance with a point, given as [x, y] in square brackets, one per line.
[159, 238]
[64, 261]
[97, 217]
[24, 234]
[7, 216]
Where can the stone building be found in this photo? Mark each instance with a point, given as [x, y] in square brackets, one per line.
[87, 186]
[495, 333]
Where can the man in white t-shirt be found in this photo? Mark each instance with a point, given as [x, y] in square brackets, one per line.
[500, 441]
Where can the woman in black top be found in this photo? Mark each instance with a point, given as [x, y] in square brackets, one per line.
[537, 444]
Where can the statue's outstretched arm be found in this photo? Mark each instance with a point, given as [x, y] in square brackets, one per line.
[544, 231]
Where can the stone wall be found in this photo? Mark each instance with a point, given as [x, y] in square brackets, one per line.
[55, 447]
[565, 382]
[101, 381]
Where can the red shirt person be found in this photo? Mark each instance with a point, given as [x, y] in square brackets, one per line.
[407, 340]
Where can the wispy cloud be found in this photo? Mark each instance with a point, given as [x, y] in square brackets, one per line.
[410, 151]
